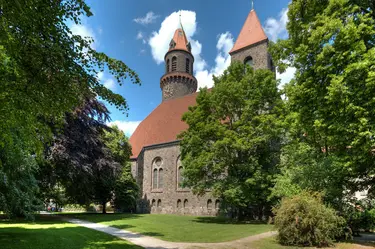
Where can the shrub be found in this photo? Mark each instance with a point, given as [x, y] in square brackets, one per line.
[304, 220]
[360, 216]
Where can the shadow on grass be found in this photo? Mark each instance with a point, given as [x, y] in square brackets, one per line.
[366, 239]
[62, 238]
[223, 220]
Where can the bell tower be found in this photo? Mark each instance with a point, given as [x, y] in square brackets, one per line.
[251, 46]
[178, 79]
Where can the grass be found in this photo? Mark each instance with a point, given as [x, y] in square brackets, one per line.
[47, 233]
[179, 228]
[271, 243]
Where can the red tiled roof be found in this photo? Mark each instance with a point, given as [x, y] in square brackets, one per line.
[163, 124]
[180, 40]
[251, 33]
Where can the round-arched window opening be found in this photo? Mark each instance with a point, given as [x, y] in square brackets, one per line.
[159, 203]
[249, 61]
[153, 203]
[209, 204]
[186, 203]
[179, 203]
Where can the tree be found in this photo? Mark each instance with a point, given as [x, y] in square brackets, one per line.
[233, 141]
[83, 164]
[126, 189]
[45, 70]
[331, 44]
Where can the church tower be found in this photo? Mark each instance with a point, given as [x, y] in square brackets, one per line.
[178, 79]
[251, 46]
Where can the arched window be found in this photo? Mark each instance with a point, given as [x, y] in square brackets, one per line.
[178, 203]
[186, 203]
[209, 204]
[167, 66]
[159, 203]
[180, 178]
[157, 173]
[155, 179]
[249, 61]
[174, 63]
[187, 65]
[217, 204]
[160, 178]
[153, 203]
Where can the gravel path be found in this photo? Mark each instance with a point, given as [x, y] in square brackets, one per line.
[154, 243]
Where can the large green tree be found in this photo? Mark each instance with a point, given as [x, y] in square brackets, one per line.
[233, 141]
[332, 45]
[45, 71]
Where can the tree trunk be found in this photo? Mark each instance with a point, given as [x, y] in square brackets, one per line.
[104, 206]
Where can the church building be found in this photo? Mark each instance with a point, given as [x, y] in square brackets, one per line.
[156, 163]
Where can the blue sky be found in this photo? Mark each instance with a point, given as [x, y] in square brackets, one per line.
[138, 33]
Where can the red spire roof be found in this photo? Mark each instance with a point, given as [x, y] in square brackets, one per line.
[180, 41]
[251, 33]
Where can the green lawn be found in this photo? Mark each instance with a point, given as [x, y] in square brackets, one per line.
[179, 228]
[47, 233]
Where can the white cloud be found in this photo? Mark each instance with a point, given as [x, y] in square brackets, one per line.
[222, 61]
[106, 81]
[276, 29]
[159, 43]
[286, 76]
[149, 18]
[110, 84]
[128, 127]
[85, 32]
[140, 36]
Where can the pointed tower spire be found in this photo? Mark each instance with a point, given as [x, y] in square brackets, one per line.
[178, 79]
[251, 33]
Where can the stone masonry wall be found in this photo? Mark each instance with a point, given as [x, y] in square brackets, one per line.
[259, 53]
[178, 87]
[171, 199]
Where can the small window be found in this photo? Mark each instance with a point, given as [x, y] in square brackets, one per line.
[160, 179]
[180, 177]
[167, 66]
[153, 203]
[159, 203]
[209, 204]
[174, 63]
[186, 203]
[217, 204]
[249, 61]
[155, 179]
[187, 65]
[178, 203]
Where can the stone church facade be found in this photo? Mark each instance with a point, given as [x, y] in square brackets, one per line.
[156, 163]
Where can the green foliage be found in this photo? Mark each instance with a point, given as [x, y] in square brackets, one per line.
[303, 220]
[116, 141]
[303, 168]
[360, 216]
[125, 188]
[332, 46]
[233, 141]
[18, 185]
[45, 71]
[126, 192]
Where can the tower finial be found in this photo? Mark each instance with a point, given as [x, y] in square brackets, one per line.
[180, 20]
[252, 5]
